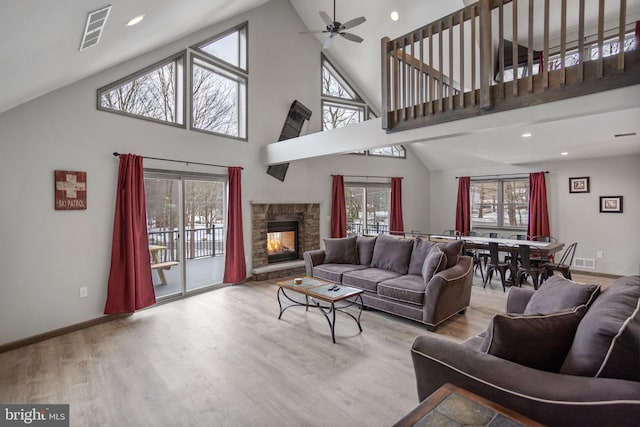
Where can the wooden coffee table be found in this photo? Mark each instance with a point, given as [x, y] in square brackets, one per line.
[453, 406]
[316, 293]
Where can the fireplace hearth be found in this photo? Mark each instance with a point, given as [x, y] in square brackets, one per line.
[282, 241]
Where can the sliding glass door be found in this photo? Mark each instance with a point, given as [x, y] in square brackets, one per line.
[185, 223]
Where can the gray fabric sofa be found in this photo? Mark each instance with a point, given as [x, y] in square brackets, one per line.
[558, 361]
[413, 278]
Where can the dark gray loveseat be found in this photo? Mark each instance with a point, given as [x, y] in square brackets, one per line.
[413, 278]
[563, 368]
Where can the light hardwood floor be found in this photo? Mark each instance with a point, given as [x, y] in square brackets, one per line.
[223, 358]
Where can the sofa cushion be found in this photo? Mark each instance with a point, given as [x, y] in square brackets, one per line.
[365, 246]
[558, 294]
[340, 251]
[408, 288]
[452, 251]
[420, 250]
[333, 272]
[392, 253]
[368, 278]
[536, 341]
[435, 262]
[607, 342]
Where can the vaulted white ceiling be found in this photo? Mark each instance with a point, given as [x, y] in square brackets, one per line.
[39, 42]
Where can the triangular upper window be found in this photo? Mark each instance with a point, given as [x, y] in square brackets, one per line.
[334, 85]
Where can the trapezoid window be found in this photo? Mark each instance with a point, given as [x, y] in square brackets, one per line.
[154, 93]
[219, 84]
[389, 151]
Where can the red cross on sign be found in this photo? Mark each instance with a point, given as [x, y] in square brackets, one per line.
[71, 190]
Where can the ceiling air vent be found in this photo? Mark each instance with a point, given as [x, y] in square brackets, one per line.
[94, 26]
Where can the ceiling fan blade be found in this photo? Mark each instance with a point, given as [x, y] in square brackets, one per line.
[327, 20]
[313, 32]
[328, 41]
[353, 22]
[352, 37]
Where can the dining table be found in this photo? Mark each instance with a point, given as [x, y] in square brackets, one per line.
[512, 246]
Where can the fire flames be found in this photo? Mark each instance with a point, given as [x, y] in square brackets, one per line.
[274, 245]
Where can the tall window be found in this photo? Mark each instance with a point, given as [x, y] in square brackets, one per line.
[219, 84]
[500, 203]
[154, 93]
[367, 208]
[341, 105]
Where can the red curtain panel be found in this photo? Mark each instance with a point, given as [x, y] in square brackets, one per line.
[463, 207]
[396, 225]
[235, 268]
[130, 286]
[338, 208]
[538, 212]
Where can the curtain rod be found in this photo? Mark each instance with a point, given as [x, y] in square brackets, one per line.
[116, 154]
[499, 175]
[369, 176]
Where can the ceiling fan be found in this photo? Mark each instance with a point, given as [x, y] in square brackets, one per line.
[335, 28]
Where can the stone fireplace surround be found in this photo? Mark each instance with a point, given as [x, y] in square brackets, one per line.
[308, 216]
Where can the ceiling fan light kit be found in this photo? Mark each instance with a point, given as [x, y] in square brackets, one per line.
[336, 28]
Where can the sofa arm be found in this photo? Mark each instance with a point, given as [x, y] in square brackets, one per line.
[311, 259]
[518, 299]
[448, 292]
[550, 398]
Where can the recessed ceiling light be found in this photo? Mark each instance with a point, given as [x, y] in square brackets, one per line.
[394, 15]
[134, 21]
[526, 135]
[564, 153]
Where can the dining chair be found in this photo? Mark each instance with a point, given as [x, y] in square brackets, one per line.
[476, 255]
[494, 264]
[564, 266]
[528, 268]
[547, 258]
[507, 258]
[455, 233]
[483, 254]
[518, 237]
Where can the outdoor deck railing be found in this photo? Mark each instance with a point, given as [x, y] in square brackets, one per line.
[457, 67]
[200, 242]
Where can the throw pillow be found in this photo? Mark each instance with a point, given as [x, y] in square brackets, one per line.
[420, 250]
[558, 294]
[435, 262]
[537, 341]
[452, 251]
[340, 251]
[365, 249]
[392, 253]
[607, 342]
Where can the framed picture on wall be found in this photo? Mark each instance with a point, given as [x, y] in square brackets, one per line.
[611, 204]
[579, 185]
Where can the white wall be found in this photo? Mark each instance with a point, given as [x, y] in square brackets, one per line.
[573, 217]
[47, 255]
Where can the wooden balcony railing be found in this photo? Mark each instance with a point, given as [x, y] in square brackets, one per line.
[460, 66]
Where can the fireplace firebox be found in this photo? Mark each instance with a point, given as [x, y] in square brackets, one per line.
[282, 241]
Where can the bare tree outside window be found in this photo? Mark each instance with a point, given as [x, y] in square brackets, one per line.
[215, 102]
[152, 95]
[500, 203]
[367, 208]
